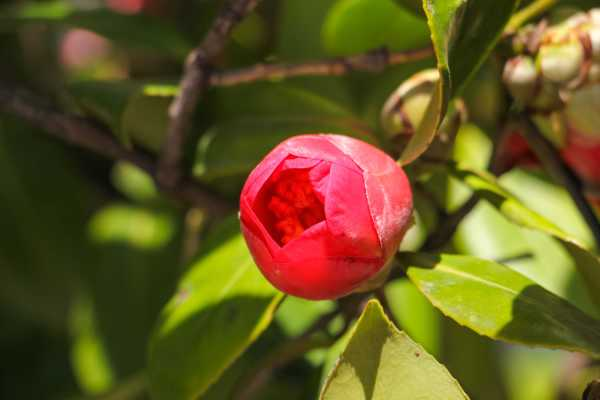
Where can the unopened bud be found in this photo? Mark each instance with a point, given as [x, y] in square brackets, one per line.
[521, 78]
[575, 20]
[561, 63]
[403, 111]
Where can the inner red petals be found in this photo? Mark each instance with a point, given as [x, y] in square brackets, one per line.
[293, 205]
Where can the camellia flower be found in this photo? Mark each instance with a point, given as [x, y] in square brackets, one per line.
[322, 214]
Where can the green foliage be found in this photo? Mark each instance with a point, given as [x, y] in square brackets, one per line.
[220, 307]
[486, 187]
[515, 309]
[463, 34]
[355, 26]
[111, 289]
[380, 362]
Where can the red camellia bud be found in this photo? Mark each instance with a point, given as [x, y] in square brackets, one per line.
[322, 214]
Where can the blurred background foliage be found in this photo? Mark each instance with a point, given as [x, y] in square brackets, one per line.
[90, 252]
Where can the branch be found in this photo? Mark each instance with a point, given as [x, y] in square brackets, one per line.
[552, 162]
[192, 85]
[250, 384]
[89, 135]
[440, 238]
[371, 61]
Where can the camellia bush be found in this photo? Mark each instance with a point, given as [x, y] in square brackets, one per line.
[292, 199]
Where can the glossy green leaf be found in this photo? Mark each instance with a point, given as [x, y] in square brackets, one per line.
[382, 363]
[534, 254]
[133, 31]
[355, 26]
[221, 306]
[495, 301]
[464, 33]
[415, 6]
[486, 187]
[133, 110]
[529, 186]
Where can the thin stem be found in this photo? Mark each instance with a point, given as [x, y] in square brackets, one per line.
[533, 10]
[438, 240]
[552, 162]
[250, 384]
[371, 61]
[91, 136]
[192, 84]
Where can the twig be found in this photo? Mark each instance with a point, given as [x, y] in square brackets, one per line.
[446, 230]
[552, 162]
[371, 61]
[92, 136]
[192, 85]
[250, 384]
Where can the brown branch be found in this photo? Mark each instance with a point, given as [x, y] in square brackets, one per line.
[192, 85]
[372, 61]
[440, 238]
[89, 135]
[554, 165]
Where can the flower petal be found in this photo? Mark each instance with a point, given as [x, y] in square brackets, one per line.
[310, 266]
[348, 216]
[387, 190]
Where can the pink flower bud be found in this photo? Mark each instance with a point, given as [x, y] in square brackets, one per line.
[322, 214]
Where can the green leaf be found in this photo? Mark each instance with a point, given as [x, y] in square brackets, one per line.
[464, 33]
[133, 31]
[486, 187]
[534, 254]
[134, 111]
[380, 362]
[495, 301]
[530, 186]
[221, 306]
[355, 26]
[415, 6]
